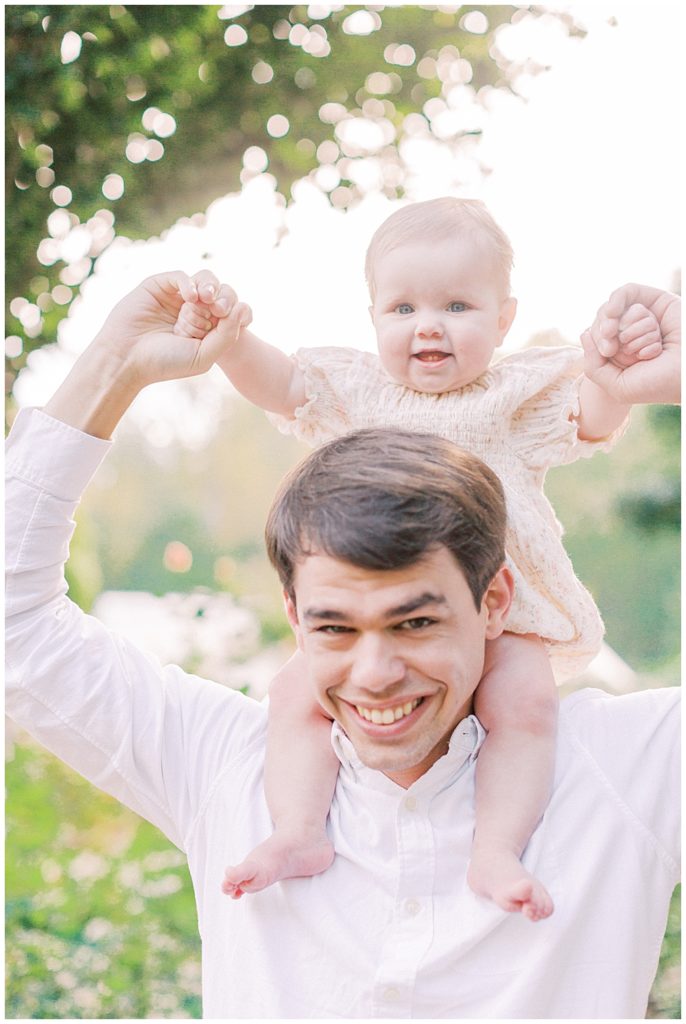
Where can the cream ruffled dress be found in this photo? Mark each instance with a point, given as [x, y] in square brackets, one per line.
[519, 417]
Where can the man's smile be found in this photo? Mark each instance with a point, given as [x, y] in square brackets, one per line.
[389, 714]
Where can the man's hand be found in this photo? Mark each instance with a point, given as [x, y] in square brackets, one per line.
[143, 329]
[137, 346]
[633, 349]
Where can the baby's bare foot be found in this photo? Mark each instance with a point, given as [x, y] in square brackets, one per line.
[499, 875]
[283, 855]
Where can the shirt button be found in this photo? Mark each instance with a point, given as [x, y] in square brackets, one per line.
[391, 993]
[410, 803]
[412, 907]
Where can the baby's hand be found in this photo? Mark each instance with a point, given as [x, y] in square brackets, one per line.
[195, 320]
[633, 336]
[639, 335]
[214, 302]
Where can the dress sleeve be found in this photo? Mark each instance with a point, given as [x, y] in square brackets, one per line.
[545, 384]
[336, 380]
[151, 736]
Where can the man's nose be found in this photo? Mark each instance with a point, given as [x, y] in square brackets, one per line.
[376, 665]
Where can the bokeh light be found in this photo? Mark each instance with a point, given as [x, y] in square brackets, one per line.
[70, 47]
[362, 23]
[177, 557]
[255, 159]
[235, 35]
[61, 195]
[113, 186]
[262, 73]
[278, 126]
[14, 346]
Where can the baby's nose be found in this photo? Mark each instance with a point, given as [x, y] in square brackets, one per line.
[429, 327]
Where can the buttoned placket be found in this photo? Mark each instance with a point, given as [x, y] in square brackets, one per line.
[410, 929]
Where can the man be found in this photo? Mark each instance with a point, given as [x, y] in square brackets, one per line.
[391, 929]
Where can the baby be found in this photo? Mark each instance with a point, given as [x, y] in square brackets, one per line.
[439, 281]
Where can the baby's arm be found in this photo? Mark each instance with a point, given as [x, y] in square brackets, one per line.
[263, 374]
[622, 335]
[300, 777]
[516, 702]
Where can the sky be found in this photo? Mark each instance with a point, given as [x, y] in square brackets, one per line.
[584, 178]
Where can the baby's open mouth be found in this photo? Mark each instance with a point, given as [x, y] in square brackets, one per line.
[431, 356]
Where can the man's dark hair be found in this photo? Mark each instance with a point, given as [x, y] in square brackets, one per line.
[383, 499]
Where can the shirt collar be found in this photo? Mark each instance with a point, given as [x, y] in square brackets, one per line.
[463, 748]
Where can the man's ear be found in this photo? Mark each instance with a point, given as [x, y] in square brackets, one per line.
[292, 616]
[497, 601]
[505, 317]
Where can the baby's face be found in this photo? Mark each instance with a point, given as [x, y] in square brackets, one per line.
[439, 312]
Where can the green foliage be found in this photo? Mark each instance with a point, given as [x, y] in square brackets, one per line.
[656, 503]
[82, 571]
[630, 564]
[71, 124]
[100, 914]
[665, 1001]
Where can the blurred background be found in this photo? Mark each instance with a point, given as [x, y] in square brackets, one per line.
[267, 142]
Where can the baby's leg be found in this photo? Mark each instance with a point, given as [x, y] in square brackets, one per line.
[516, 701]
[300, 776]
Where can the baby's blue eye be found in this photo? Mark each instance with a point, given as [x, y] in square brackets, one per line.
[404, 307]
[456, 307]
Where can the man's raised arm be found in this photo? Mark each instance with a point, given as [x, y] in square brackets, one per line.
[148, 735]
[137, 346]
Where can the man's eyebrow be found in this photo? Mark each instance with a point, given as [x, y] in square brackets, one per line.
[414, 604]
[421, 601]
[325, 613]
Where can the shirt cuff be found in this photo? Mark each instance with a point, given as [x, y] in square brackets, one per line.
[52, 455]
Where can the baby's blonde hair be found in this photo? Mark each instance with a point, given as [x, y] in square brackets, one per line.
[440, 219]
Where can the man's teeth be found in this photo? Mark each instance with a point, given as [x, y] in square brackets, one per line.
[388, 715]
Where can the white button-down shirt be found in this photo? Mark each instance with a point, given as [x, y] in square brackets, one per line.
[391, 929]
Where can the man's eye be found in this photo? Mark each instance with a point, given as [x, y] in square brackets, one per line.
[333, 630]
[421, 622]
[404, 307]
[456, 307]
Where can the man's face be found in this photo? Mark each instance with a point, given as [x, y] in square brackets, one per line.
[395, 656]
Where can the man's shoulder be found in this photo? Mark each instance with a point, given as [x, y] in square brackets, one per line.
[591, 704]
[234, 719]
[632, 729]
[628, 746]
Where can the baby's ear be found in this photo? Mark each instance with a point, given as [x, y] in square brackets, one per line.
[506, 316]
[371, 312]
